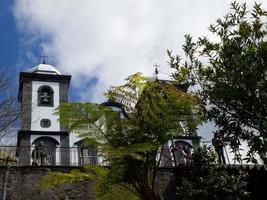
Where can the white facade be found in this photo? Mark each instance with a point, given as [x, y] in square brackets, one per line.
[44, 112]
[73, 139]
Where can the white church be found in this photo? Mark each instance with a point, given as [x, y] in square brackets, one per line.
[41, 90]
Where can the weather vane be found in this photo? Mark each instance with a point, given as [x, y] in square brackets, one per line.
[156, 68]
[44, 58]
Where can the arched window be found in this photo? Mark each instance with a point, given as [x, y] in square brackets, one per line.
[45, 96]
[44, 152]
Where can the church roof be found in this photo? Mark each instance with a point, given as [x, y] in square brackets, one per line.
[44, 69]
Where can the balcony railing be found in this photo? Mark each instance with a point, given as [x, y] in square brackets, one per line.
[70, 156]
[55, 156]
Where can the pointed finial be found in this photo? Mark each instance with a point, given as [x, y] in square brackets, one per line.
[44, 59]
[156, 68]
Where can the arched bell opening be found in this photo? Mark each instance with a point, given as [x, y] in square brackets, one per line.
[183, 152]
[186, 146]
[44, 151]
[45, 96]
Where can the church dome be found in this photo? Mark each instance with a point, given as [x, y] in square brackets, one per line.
[44, 69]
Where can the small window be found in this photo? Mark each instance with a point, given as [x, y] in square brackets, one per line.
[45, 123]
[45, 96]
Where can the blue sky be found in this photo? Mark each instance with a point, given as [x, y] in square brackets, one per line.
[100, 42]
[13, 47]
[12, 57]
[9, 37]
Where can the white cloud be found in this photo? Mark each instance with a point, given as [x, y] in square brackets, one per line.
[110, 39]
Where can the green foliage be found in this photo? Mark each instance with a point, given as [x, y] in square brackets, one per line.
[231, 71]
[58, 178]
[129, 93]
[210, 182]
[156, 113]
[103, 188]
[119, 192]
[205, 157]
[216, 186]
[7, 158]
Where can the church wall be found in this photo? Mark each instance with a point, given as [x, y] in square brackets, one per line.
[41, 112]
[65, 154]
[63, 97]
[26, 106]
[73, 138]
[25, 152]
[74, 151]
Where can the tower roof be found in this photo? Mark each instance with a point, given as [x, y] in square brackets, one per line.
[44, 69]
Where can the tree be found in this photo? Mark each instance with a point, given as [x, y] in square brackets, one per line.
[231, 71]
[9, 111]
[210, 182]
[130, 145]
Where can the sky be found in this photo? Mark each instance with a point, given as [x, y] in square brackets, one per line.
[100, 42]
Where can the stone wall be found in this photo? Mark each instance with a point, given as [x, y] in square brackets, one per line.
[22, 185]
[23, 179]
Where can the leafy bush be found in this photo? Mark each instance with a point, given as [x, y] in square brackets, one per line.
[210, 182]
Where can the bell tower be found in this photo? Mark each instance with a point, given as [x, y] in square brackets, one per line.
[41, 90]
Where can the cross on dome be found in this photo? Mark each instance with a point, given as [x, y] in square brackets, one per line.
[44, 68]
[157, 76]
[44, 59]
[156, 68]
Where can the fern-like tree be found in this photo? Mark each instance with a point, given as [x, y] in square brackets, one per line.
[231, 70]
[130, 145]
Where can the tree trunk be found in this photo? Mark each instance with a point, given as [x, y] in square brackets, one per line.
[148, 194]
[147, 191]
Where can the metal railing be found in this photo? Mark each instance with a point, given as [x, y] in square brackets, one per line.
[72, 156]
[54, 156]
